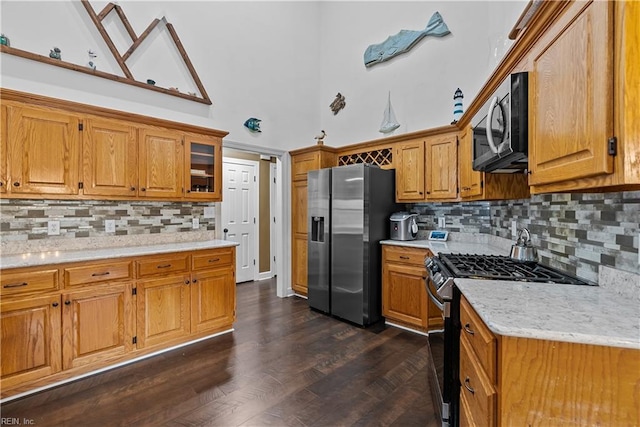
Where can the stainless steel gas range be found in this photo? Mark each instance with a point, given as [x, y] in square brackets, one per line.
[442, 270]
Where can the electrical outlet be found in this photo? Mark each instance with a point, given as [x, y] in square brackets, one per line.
[514, 228]
[195, 224]
[442, 223]
[639, 248]
[110, 225]
[53, 228]
[209, 212]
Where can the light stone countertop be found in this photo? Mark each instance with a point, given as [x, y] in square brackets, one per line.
[571, 313]
[607, 314]
[53, 256]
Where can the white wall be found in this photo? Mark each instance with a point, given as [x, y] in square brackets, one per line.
[282, 62]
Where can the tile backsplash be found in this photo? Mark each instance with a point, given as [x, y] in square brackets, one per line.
[573, 232]
[25, 220]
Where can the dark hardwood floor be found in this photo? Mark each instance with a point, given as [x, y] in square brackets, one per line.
[284, 365]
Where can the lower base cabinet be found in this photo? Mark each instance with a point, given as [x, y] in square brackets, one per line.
[404, 295]
[106, 312]
[515, 381]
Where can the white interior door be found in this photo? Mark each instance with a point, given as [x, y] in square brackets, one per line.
[239, 214]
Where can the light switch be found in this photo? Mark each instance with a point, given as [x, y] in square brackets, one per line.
[196, 223]
[514, 228]
[442, 223]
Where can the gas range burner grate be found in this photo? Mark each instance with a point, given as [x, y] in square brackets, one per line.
[496, 267]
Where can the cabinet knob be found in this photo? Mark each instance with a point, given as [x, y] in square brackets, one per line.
[188, 191]
[143, 189]
[195, 280]
[133, 188]
[1, 183]
[67, 302]
[16, 184]
[186, 282]
[55, 304]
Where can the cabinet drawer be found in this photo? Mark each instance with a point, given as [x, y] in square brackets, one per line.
[15, 282]
[94, 273]
[405, 255]
[213, 259]
[479, 337]
[466, 419]
[162, 265]
[476, 387]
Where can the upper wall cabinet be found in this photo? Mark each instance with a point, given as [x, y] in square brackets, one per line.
[572, 99]
[584, 82]
[410, 163]
[441, 173]
[43, 151]
[75, 151]
[110, 158]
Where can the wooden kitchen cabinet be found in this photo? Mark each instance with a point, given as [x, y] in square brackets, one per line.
[109, 158]
[302, 161]
[441, 174]
[213, 289]
[43, 151]
[3, 149]
[161, 157]
[410, 170]
[404, 295]
[54, 149]
[30, 339]
[203, 177]
[73, 318]
[526, 381]
[98, 323]
[163, 309]
[477, 185]
[571, 86]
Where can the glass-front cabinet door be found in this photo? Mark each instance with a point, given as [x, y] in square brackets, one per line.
[204, 174]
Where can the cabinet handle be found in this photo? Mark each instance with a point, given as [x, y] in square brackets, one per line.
[195, 280]
[466, 385]
[404, 257]
[133, 188]
[467, 329]
[186, 282]
[164, 266]
[1, 183]
[143, 189]
[16, 184]
[100, 274]
[15, 285]
[214, 260]
[55, 304]
[188, 191]
[67, 302]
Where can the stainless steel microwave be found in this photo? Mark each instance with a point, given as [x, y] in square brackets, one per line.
[500, 128]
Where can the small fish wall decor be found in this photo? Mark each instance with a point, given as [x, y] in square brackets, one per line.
[403, 41]
[338, 103]
[253, 124]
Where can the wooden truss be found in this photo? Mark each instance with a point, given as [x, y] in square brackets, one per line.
[122, 59]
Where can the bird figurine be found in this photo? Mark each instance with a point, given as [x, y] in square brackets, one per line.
[320, 137]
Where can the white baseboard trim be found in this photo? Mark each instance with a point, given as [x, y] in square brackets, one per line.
[265, 275]
[108, 368]
[405, 328]
[300, 296]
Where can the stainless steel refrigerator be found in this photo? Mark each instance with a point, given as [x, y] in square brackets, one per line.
[348, 215]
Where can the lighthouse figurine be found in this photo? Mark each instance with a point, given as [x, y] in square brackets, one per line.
[457, 106]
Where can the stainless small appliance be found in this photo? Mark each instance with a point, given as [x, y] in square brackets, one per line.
[403, 226]
[348, 213]
[500, 128]
[444, 345]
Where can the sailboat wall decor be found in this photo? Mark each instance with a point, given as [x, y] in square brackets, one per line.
[389, 122]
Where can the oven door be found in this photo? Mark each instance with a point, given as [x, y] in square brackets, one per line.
[442, 346]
